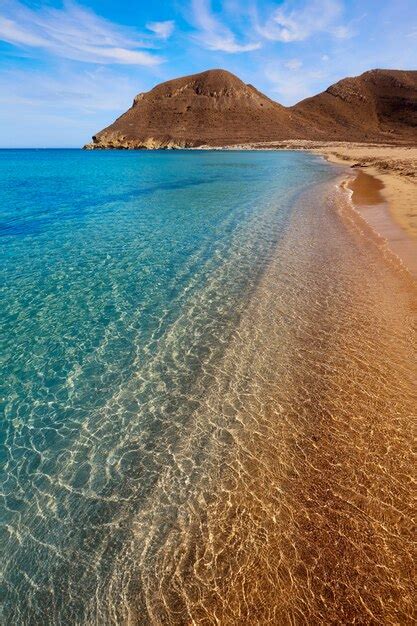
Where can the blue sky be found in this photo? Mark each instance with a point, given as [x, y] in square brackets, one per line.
[67, 69]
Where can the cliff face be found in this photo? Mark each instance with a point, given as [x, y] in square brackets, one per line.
[215, 108]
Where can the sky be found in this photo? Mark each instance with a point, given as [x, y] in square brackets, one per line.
[68, 69]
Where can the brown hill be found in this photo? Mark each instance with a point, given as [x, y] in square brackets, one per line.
[216, 108]
[379, 105]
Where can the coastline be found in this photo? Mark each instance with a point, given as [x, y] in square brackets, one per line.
[292, 471]
[254, 458]
[370, 205]
[391, 170]
[395, 167]
[384, 193]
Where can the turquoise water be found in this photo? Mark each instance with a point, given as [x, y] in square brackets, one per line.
[124, 276]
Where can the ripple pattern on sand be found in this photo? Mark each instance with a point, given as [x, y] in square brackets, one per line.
[290, 500]
[235, 449]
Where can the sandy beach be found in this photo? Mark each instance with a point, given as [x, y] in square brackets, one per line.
[383, 185]
[300, 510]
[384, 192]
[208, 217]
[395, 166]
[221, 432]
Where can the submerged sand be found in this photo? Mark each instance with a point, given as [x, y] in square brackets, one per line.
[290, 500]
[393, 195]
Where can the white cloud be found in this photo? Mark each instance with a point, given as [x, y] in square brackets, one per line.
[213, 34]
[163, 30]
[293, 64]
[294, 22]
[74, 33]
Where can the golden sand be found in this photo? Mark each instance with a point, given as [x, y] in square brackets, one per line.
[290, 502]
[395, 166]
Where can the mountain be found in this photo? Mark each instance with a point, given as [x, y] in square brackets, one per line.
[213, 108]
[216, 108]
[379, 105]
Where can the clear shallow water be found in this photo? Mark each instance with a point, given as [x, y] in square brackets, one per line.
[209, 395]
[124, 276]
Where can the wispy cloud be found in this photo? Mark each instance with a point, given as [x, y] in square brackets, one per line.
[295, 21]
[293, 64]
[81, 92]
[162, 29]
[213, 34]
[64, 109]
[74, 32]
[291, 83]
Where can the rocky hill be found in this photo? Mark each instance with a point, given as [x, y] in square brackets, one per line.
[215, 108]
[379, 105]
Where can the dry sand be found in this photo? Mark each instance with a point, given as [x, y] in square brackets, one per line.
[384, 192]
[396, 168]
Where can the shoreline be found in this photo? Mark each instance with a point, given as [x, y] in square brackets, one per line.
[245, 356]
[383, 192]
[384, 195]
[370, 204]
[374, 221]
[395, 167]
[293, 472]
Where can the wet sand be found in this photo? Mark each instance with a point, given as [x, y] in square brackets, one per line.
[370, 203]
[384, 191]
[366, 189]
[395, 166]
[291, 499]
[396, 169]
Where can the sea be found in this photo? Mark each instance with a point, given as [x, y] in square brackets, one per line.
[207, 387]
